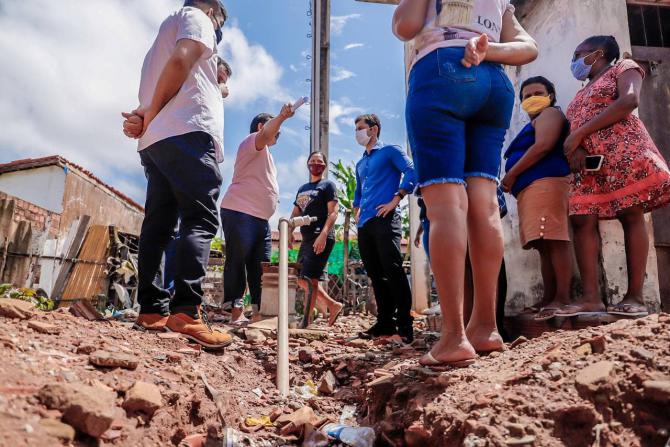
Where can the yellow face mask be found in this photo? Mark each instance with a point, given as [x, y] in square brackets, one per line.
[533, 105]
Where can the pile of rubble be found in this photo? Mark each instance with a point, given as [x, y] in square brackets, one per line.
[100, 383]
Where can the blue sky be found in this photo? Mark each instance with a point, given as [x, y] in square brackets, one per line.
[75, 66]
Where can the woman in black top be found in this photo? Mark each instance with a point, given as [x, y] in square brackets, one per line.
[318, 198]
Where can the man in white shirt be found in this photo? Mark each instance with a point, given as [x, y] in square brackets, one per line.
[180, 146]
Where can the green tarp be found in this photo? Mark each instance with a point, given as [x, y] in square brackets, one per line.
[335, 261]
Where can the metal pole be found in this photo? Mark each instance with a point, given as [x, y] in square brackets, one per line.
[324, 81]
[320, 103]
[315, 103]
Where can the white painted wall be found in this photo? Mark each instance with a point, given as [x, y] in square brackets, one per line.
[43, 186]
[558, 27]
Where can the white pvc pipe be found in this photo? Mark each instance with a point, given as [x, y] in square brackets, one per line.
[282, 323]
[282, 320]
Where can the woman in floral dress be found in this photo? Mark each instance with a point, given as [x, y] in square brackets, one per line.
[634, 178]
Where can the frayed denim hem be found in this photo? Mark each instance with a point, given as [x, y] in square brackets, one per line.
[483, 175]
[442, 180]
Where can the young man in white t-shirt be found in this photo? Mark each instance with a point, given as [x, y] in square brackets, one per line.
[180, 145]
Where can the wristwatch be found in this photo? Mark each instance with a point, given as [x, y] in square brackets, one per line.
[399, 194]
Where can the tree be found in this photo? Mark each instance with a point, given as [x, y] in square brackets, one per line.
[346, 177]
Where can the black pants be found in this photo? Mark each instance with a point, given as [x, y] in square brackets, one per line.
[183, 183]
[379, 244]
[248, 244]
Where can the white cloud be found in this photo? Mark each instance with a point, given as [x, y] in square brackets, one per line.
[351, 46]
[342, 113]
[70, 76]
[340, 74]
[293, 175]
[337, 23]
[256, 74]
[71, 67]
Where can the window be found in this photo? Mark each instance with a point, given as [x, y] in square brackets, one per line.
[649, 25]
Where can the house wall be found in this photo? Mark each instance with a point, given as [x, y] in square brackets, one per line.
[558, 27]
[42, 187]
[83, 197]
[40, 219]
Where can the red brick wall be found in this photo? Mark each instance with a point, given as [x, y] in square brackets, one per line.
[37, 216]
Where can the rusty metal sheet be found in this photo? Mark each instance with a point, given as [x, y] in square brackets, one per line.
[88, 278]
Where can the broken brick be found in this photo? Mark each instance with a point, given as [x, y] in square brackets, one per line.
[144, 398]
[19, 309]
[44, 328]
[88, 409]
[328, 383]
[109, 359]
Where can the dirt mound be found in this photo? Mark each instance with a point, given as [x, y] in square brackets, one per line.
[603, 386]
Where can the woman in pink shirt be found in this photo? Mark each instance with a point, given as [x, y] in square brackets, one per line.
[249, 202]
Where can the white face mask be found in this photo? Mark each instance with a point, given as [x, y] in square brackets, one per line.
[362, 137]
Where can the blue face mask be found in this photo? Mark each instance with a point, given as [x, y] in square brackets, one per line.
[580, 69]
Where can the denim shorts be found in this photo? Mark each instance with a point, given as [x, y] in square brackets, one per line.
[457, 117]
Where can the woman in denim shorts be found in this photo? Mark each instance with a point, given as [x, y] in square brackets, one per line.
[459, 106]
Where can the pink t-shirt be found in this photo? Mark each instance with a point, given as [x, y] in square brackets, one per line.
[254, 189]
[485, 17]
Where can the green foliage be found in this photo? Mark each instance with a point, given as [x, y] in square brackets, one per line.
[4, 288]
[25, 294]
[404, 219]
[217, 244]
[346, 178]
[292, 256]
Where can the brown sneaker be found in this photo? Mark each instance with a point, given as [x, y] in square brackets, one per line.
[198, 331]
[151, 322]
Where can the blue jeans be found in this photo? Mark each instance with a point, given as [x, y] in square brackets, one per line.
[248, 244]
[457, 117]
[183, 183]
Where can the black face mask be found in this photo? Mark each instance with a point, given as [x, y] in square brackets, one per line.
[219, 35]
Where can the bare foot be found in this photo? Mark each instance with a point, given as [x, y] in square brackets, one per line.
[334, 312]
[582, 306]
[548, 310]
[449, 350]
[485, 339]
[632, 305]
[630, 299]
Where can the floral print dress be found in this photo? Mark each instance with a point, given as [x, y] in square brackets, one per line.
[633, 172]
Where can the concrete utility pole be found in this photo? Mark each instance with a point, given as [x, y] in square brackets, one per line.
[419, 262]
[320, 102]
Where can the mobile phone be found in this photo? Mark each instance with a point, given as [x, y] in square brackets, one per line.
[296, 105]
[594, 162]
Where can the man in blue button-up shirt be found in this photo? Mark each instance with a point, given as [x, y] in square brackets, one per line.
[384, 175]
